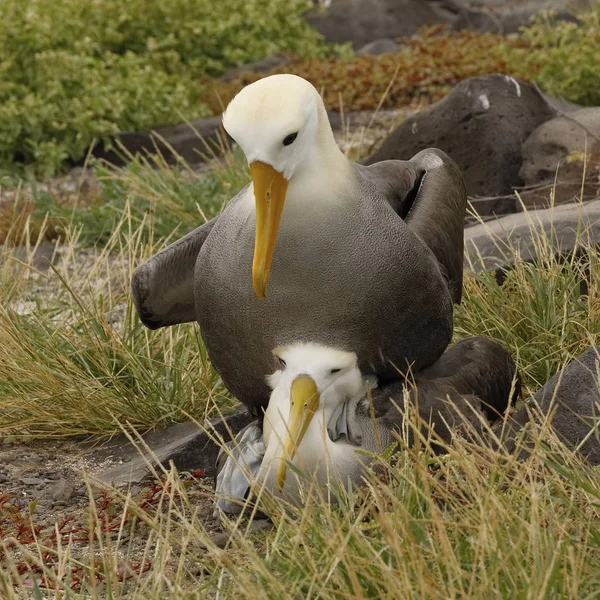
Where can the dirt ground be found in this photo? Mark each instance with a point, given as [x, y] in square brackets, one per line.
[48, 486]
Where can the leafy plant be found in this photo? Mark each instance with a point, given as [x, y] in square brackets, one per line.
[564, 55]
[75, 70]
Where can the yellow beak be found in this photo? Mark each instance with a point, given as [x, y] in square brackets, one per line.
[270, 187]
[304, 398]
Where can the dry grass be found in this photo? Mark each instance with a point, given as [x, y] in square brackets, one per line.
[546, 312]
[470, 524]
[473, 523]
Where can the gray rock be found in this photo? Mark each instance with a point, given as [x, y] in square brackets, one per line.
[572, 396]
[561, 105]
[503, 22]
[195, 143]
[33, 481]
[362, 21]
[491, 240]
[549, 145]
[482, 125]
[495, 205]
[184, 444]
[62, 491]
[220, 540]
[509, 16]
[377, 47]
[260, 66]
[40, 258]
[546, 153]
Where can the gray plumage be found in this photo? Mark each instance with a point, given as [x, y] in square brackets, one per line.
[474, 381]
[572, 399]
[376, 274]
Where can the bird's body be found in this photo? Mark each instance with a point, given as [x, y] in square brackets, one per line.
[318, 458]
[321, 419]
[364, 259]
[301, 420]
[349, 274]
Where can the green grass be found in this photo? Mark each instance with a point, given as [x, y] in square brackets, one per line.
[75, 357]
[470, 524]
[564, 55]
[161, 201]
[541, 312]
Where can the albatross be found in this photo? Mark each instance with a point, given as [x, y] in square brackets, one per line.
[323, 414]
[367, 260]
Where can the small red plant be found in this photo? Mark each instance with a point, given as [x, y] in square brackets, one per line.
[422, 71]
[18, 528]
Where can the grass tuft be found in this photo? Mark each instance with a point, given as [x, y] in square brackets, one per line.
[472, 524]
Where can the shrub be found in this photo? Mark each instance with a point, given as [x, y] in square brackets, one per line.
[425, 69]
[75, 70]
[565, 55]
[71, 99]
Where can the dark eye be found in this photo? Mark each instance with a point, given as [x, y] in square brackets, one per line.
[333, 371]
[289, 139]
[282, 363]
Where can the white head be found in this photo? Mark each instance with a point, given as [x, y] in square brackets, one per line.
[313, 381]
[275, 122]
[281, 125]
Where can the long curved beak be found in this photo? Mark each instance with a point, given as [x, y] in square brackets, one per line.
[304, 398]
[270, 187]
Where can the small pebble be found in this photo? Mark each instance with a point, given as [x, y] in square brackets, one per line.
[32, 481]
[219, 540]
[62, 490]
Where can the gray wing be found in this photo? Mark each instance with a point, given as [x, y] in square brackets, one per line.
[476, 379]
[428, 192]
[441, 409]
[478, 366]
[163, 287]
[571, 400]
[236, 467]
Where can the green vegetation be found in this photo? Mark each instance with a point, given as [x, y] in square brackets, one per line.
[565, 57]
[74, 71]
[169, 202]
[544, 313]
[166, 201]
[76, 357]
